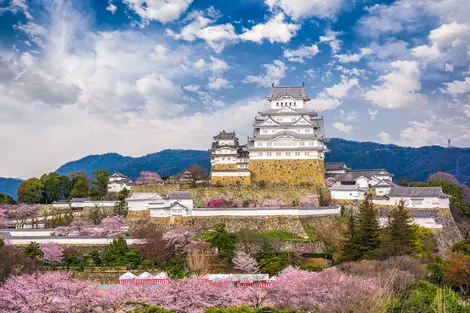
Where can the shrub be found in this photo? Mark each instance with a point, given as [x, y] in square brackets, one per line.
[405, 263]
[436, 270]
[462, 247]
[147, 263]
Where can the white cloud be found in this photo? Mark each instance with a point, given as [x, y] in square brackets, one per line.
[340, 90]
[385, 138]
[16, 6]
[111, 7]
[333, 42]
[449, 42]
[217, 83]
[351, 116]
[457, 87]
[299, 55]
[351, 71]
[399, 16]
[449, 67]
[216, 36]
[372, 114]
[274, 30]
[344, 128]
[330, 98]
[399, 87]
[158, 10]
[465, 110]
[356, 57]
[192, 88]
[307, 8]
[274, 73]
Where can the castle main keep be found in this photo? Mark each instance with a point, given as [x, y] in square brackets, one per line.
[287, 145]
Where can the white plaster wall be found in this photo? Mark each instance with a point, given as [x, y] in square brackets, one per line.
[71, 241]
[137, 205]
[227, 174]
[263, 211]
[431, 202]
[30, 233]
[381, 191]
[428, 222]
[362, 182]
[91, 204]
[347, 194]
[114, 187]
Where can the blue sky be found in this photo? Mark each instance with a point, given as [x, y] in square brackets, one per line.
[135, 77]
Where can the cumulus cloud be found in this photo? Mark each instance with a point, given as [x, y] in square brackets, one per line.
[344, 128]
[356, 57]
[399, 88]
[449, 42]
[274, 73]
[192, 88]
[274, 30]
[331, 98]
[218, 83]
[457, 87]
[385, 138]
[349, 116]
[16, 6]
[299, 9]
[111, 7]
[372, 114]
[216, 36]
[163, 11]
[299, 55]
[332, 40]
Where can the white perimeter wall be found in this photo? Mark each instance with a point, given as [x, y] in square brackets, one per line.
[70, 241]
[263, 211]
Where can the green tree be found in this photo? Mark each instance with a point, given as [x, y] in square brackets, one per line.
[351, 246]
[133, 258]
[100, 181]
[55, 187]
[80, 188]
[462, 247]
[121, 207]
[115, 251]
[94, 194]
[368, 229]
[399, 235]
[33, 250]
[272, 262]
[30, 191]
[6, 199]
[224, 241]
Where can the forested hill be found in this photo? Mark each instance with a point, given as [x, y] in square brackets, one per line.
[411, 163]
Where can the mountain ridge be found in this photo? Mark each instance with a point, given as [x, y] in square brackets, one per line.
[410, 163]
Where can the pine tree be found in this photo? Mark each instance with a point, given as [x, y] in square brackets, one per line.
[350, 250]
[367, 229]
[399, 235]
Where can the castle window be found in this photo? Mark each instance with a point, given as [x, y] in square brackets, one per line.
[265, 131]
[287, 153]
[282, 103]
[311, 143]
[278, 153]
[269, 153]
[297, 154]
[269, 144]
[261, 154]
[294, 103]
[259, 144]
[290, 103]
[307, 154]
[302, 143]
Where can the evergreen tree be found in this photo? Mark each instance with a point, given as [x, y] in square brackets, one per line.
[100, 181]
[350, 250]
[33, 250]
[115, 251]
[399, 235]
[368, 229]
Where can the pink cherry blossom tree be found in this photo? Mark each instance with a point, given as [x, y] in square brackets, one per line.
[52, 252]
[112, 226]
[329, 291]
[44, 292]
[310, 200]
[3, 218]
[179, 237]
[245, 262]
[147, 177]
[273, 203]
[25, 212]
[78, 227]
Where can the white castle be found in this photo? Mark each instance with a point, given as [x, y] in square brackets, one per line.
[287, 146]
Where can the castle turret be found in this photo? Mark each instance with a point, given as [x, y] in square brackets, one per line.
[229, 160]
[288, 142]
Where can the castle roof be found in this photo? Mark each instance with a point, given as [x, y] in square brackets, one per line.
[179, 195]
[225, 135]
[293, 111]
[297, 92]
[288, 133]
[352, 175]
[397, 191]
[335, 166]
